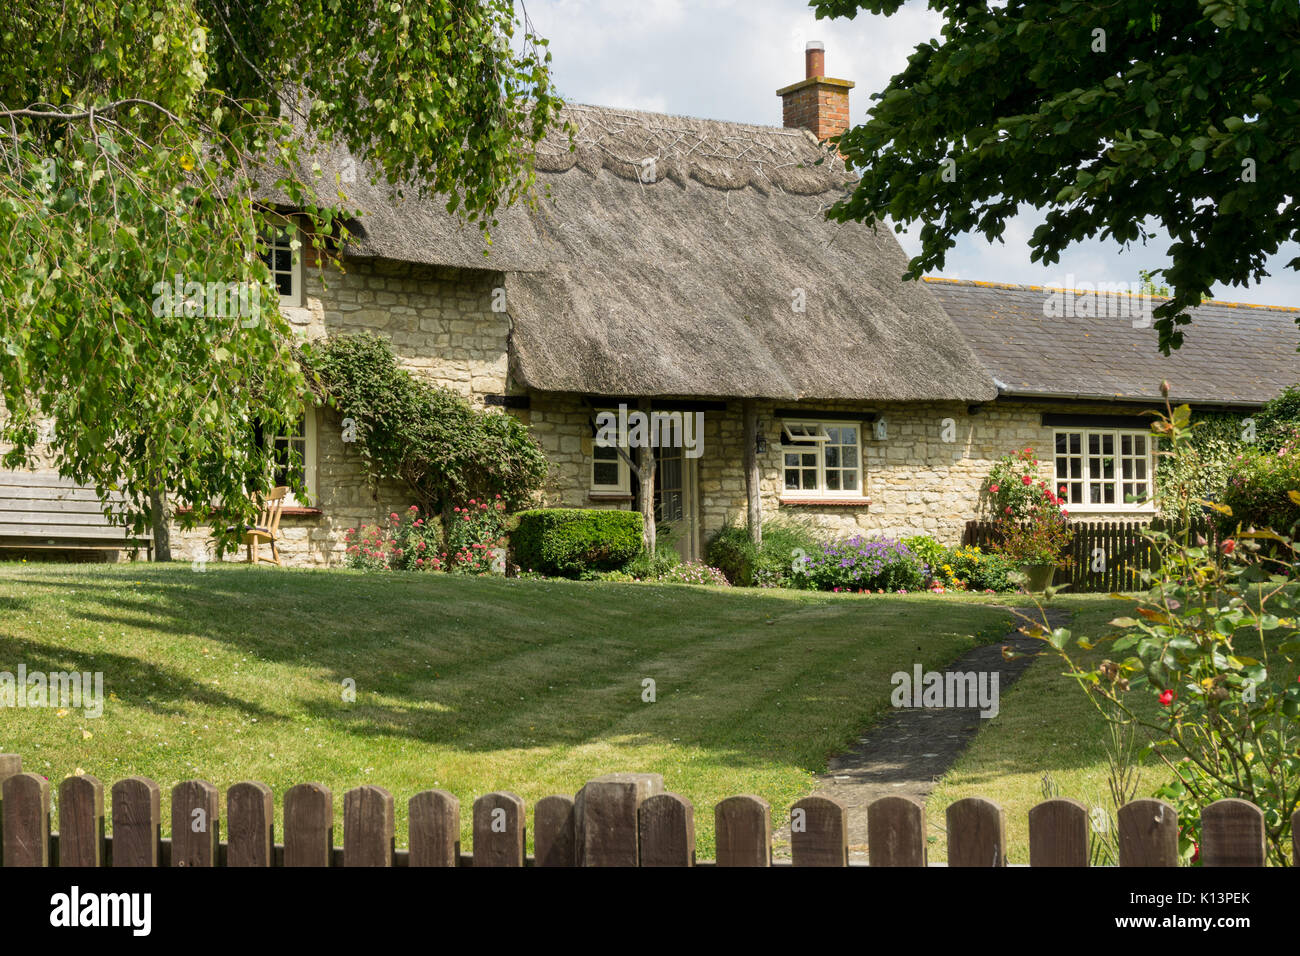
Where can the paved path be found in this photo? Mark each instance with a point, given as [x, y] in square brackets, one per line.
[907, 750]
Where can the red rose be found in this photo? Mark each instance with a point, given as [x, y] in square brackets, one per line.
[1166, 698]
[993, 488]
[1008, 509]
[1026, 479]
[1062, 489]
[1228, 546]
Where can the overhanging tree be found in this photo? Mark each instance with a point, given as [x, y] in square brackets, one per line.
[1108, 115]
[138, 142]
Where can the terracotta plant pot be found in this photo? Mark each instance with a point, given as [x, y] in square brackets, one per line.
[1039, 576]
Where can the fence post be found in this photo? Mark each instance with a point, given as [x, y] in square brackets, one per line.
[250, 818]
[27, 820]
[555, 842]
[434, 824]
[977, 833]
[1232, 834]
[666, 823]
[196, 823]
[605, 817]
[819, 832]
[137, 823]
[1148, 834]
[499, 826]
[896, 832]
[81, 822]
[308, 825]
[1058, 834]
[10, 764]
[368, 826]
[743, 828]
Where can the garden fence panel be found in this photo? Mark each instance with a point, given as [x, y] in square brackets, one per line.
[1232, 831]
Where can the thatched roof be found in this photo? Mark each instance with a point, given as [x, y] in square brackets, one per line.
[679, 278]
[1233, 354]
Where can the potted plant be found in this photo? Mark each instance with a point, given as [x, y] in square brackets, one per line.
[1032, 524]
[1036, 545]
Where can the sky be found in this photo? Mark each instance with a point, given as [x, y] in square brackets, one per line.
[725, 59]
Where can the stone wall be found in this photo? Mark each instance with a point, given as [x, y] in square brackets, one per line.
[442, 327]
[916, 482]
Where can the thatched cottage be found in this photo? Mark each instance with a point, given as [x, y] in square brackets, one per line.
[685, 266]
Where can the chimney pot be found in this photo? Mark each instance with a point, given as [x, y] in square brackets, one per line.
[814, 58]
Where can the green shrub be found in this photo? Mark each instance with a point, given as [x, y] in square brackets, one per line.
[645, 568]
[931, 553]
[1258, 491]
[567, 542]
[784, 541]
[444, 449]
[1276, 422]
[973, 569]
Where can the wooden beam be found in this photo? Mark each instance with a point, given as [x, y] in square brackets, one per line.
[752, 476]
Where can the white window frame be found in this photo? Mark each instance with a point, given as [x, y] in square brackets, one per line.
[278, 238]
[308, 460]
[1117, 435]
[810, 436]
[624, 485]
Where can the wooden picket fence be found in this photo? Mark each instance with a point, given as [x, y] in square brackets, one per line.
[616, 820]
[1105, 556]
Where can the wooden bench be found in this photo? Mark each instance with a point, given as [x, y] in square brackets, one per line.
[41, 509]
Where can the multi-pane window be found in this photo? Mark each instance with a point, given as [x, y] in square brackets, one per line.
[277, 252]
[822, 459]
[293, 453]
[609, 470]
[1104, 469]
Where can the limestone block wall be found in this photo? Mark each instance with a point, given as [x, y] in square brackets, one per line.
[916, 481]
[441, 325]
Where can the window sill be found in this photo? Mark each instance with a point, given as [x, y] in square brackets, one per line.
[608, 496]
[826, 502]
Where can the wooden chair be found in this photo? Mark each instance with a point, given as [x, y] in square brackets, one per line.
[267, 528]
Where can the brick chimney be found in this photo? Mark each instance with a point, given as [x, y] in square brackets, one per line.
[818, 102]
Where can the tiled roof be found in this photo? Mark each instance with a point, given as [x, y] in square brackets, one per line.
[1232, 354]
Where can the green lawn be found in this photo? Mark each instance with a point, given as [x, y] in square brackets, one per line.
[470, 685]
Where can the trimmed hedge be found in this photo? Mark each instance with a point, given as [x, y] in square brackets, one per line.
[570, 541]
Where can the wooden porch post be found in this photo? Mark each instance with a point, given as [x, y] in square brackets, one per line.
[755, 516]
[645, 459]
